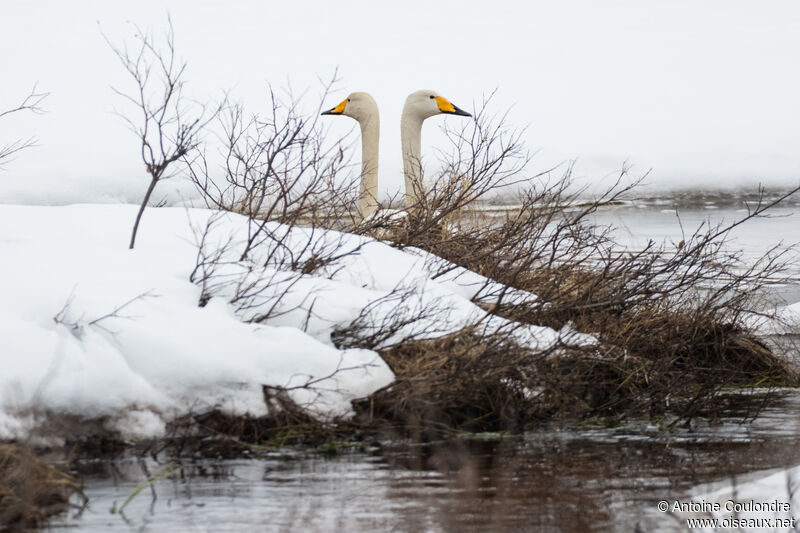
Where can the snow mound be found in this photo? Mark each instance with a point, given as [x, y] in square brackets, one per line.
[90, 328]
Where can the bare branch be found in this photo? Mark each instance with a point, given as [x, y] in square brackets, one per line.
[31, 103]
[169, 125]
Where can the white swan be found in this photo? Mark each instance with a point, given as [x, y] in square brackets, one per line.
[362, 107]
[419, 106]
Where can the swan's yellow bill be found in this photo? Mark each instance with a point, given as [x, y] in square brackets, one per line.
[444, 105]
[338, 110]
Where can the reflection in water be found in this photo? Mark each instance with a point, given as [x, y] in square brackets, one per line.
[556, 479]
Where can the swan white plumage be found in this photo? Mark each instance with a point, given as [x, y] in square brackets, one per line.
[419, 106]
[362, 107]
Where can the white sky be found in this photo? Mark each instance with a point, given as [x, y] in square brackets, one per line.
[705, 93]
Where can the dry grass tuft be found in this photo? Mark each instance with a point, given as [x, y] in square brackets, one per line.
[30, 489]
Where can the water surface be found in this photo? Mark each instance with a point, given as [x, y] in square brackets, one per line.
[557, 479]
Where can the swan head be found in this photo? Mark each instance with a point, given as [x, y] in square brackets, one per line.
[425, 103]
[359, 105]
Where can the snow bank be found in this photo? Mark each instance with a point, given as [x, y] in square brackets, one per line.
[790, 316]
[90, 328]
[766, 501]
[65, 268]
[785, 321]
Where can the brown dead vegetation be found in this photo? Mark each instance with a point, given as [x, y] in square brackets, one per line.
[468, 382]
[31, 490]
[216, 434]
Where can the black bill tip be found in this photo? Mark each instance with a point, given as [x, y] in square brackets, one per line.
[460, 112]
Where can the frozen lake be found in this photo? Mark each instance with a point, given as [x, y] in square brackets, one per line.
[673, 218]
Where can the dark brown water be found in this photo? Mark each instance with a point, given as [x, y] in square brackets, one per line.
[559, 479]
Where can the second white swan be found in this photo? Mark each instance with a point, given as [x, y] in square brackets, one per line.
[419, 106]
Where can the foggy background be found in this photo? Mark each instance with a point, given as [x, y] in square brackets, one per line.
[706, 94]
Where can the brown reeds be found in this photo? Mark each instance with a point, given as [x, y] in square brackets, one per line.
[217, 434]
[31, 490]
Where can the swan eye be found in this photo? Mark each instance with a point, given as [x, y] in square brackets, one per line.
[431, 97]
[348, 99]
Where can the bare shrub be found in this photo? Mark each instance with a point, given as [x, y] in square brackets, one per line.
[270, 166]
[270, 276]
[671, 316]
[485, 157]
[279, 166]
[168, 125]
[392, 320]
[277, 169]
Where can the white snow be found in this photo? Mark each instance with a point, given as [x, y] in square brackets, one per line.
[757, 503]
[90, 328]
[471, 284]
[785, 320]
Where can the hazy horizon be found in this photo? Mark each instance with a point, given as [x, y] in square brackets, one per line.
[701, 95]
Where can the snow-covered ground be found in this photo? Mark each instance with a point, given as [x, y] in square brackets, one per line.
[90, 328]
[764, 501]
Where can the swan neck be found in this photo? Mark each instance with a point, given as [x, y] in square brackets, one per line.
[370, 142]
[411, 139]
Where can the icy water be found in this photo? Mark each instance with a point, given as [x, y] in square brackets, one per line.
[560, 479]
[674, 218]
[557, 479]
